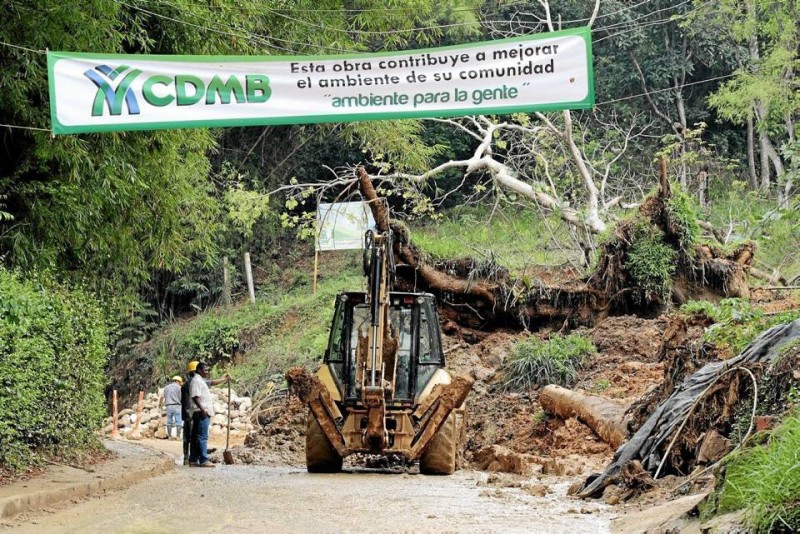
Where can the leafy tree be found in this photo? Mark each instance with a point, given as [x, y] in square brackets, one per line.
[764, 89]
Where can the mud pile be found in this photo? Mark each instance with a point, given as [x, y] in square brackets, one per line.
[500, 423]
[506, 432]
[701, 410]
[280, 435]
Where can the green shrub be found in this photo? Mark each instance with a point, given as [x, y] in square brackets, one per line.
[700, 307]
[534, 362]
[736, 322]
[765, 481]
[682, 214]
[650, 261]
[53, 348]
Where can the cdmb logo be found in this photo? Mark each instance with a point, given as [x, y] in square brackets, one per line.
[114, 90]
[104, 77]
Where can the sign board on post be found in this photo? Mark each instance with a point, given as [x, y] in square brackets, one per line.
[117, 92]
[342, 225]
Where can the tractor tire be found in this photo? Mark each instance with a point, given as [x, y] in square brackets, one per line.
[321, 457]
[440, 457]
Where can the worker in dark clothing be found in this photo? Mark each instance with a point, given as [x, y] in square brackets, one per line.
[186, 402]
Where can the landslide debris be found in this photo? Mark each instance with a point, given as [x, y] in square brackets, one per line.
[707, 400]
[506, 432]
[648, 261]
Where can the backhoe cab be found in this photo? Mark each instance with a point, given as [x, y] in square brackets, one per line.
[382, 387]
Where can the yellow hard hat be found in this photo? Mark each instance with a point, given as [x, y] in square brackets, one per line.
[192, 367]
[176, 378]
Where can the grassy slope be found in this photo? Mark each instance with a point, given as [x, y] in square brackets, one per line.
[288, 325]
[515, 237]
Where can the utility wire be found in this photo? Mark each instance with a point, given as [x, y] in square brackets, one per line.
[277, 12]
[650, 14]
[653, 23]
[667, 89]
[265, 39]
[377, 32]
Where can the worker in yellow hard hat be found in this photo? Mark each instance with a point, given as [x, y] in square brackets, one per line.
[186, 401]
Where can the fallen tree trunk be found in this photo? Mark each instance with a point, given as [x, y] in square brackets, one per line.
[481, 294]
[603, 416]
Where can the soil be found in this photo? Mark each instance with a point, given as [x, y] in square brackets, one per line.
[624, 368]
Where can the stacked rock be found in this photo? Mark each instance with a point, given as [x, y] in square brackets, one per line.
[153, 420]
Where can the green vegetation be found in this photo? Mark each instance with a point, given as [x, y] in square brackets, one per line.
[288, 325]
[534, 362]
[600, 385]
[53, 348]
[682, 213]
[764, 481]
[751, 216]
[515, 239]
[736, 322]
[650, 261]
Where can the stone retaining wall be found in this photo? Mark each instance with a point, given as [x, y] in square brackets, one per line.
[154, 420]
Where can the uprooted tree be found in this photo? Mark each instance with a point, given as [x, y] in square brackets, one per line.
[648, 261]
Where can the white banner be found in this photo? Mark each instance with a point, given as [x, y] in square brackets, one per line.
[342, 225]
[113, 92]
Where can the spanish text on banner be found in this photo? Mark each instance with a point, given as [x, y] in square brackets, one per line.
[108, 92]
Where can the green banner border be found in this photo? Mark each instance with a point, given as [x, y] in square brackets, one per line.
[59, 129]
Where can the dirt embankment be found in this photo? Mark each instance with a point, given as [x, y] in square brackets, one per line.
[506, 431]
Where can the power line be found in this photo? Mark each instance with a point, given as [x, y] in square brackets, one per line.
[667, 89]
[374, 32]
[653, 23]
[348, 10]
[276, 11]
[264, 39]
[647, 15]
[596, 105]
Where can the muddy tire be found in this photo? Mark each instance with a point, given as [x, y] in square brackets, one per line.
[440, 457]
[321, 457]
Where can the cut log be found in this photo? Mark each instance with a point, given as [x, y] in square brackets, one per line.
[603, 416]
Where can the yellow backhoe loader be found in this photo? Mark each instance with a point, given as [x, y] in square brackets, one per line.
[382, 388]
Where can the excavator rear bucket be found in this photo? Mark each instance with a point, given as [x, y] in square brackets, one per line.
[312, 392]
[433, 413]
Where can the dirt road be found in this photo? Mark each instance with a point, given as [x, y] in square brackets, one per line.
[285, 499]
